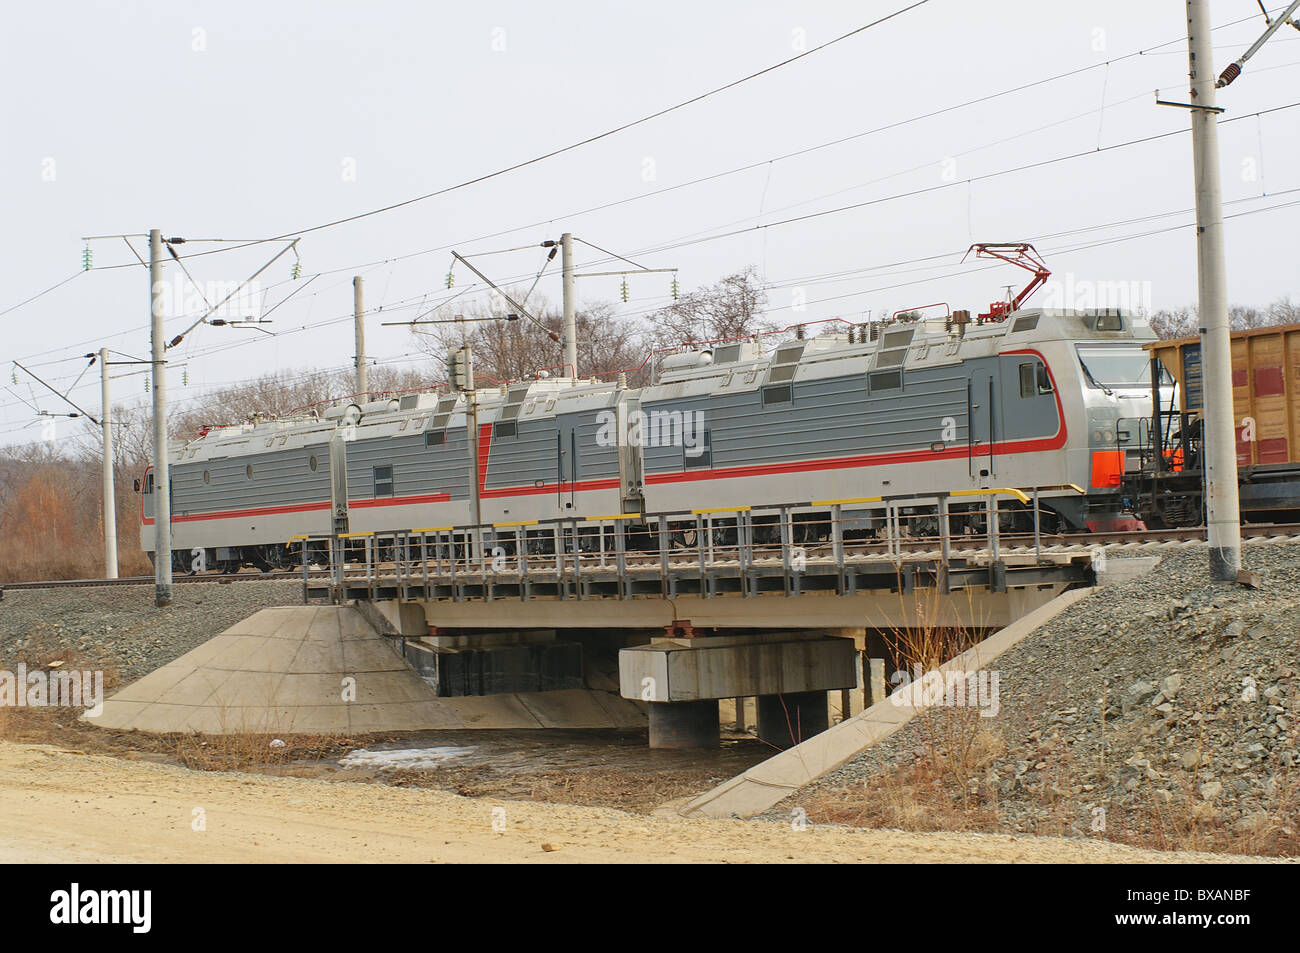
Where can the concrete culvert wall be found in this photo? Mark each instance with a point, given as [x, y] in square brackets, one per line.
[326, 669]
[299, 669]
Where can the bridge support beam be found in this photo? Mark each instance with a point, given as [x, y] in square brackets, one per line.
[683, 679]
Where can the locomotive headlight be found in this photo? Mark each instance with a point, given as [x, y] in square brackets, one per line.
[1110, 437]
[1097, 437]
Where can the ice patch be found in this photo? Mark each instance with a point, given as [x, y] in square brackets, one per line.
[399, 759]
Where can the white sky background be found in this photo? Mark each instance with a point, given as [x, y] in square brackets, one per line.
[249, 137]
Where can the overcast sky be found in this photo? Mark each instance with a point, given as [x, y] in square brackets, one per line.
[242, 120]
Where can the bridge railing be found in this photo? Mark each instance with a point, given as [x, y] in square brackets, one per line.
[780, 541]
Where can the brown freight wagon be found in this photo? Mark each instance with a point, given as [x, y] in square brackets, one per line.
[1266, 414]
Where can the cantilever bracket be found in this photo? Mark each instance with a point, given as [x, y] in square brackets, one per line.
[1165, 102]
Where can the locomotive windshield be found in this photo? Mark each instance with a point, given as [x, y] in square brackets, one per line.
[1106, 367]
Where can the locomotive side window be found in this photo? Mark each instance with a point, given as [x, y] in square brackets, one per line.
[207, 477]
[505, 428]
[248, 472]
[699, 456]
[884, 380]
[383, 477]
[312, 462]
[1027, 380]
[1034, 380]
[778, 394]
[435, 438]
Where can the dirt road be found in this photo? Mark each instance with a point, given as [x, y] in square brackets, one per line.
[64, 806]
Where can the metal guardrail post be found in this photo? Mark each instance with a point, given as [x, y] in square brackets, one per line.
[424, 560]
[837, 537]
[893, 545]
[451, 563]
[744, 550]
[370, 565]
[577, 559]
[945, 544]
[699, 554]
[787, 542]
[304, 571]
[945, 531]
[521, 561]
[399, 558]
[1038, 555]
[558, 546]
[663, 556]
[993, 526]
[624, 584]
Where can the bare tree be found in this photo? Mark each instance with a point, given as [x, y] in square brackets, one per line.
[730, 308]
[1183, 322]
[1174, 323]
[506, 350]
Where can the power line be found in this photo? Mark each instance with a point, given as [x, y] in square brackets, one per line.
[614, 131]
[43, 293]
[948, 185]
[796, 153]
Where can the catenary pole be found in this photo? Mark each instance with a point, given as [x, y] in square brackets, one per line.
[162, 485]
[359, 317]
[110, 503]
[570, 306]
[1223, 518]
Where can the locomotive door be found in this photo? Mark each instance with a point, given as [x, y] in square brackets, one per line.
[981, 414]
[566, 461]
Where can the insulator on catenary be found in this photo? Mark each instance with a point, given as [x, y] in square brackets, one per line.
[1229, 74]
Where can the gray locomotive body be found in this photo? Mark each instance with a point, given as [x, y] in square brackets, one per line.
[1045, 399]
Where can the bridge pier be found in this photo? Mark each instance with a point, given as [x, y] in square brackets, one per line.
[675, 725]
[789, 672]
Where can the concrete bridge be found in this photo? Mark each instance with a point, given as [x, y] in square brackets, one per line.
[696, 606]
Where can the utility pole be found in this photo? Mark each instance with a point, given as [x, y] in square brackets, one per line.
[162, 567]
[359, 316]
[471, 410]
[110, 502]
[570, 305]
[1223, 516]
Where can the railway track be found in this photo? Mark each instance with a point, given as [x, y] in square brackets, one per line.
[1008, 543]
[284, 575]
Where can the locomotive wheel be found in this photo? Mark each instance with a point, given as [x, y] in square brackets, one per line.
[685, 538]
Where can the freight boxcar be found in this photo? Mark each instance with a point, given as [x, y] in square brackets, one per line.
[1167, 487]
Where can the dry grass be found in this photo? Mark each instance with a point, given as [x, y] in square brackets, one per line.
[941, 790]
[18, 723]
[946, 785]
[255, 753]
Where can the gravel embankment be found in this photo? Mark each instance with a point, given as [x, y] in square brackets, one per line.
[1196, 684]
[120, 628]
